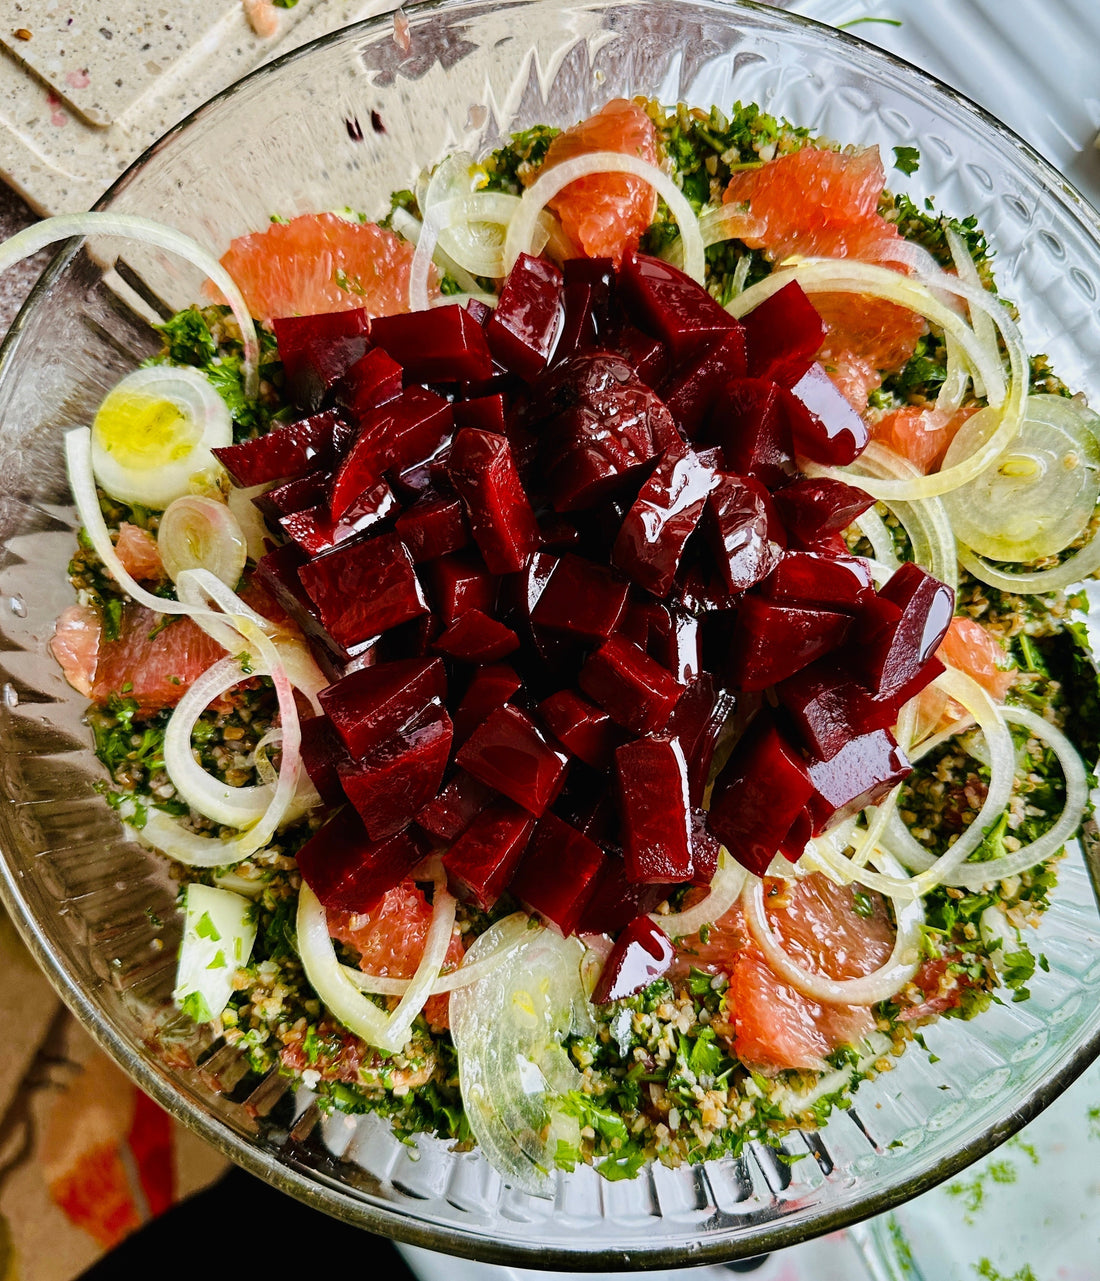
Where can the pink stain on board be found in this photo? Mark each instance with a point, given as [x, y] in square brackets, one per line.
[57, 114]
[78, 79]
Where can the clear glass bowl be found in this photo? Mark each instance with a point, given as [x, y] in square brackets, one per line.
[345, 122]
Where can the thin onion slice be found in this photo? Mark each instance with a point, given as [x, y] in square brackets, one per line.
[721, 896]
[427, 971]
[327, 977]
[198, 532]
[879, 985]
[968, 273]
[874, 529]
[144, 230]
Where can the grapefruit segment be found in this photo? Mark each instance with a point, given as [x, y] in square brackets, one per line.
[971, 648]
[152, 661]
[920, 434]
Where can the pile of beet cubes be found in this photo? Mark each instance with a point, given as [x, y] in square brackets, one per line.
[553, 556]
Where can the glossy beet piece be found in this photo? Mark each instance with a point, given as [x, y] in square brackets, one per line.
[279, 573]
[400, 432]
[489, 688]
[694, 389]
[483, 412]
[656, 822]
[374, 379]
[642, 953]
[668, 635]
[441, 345]
[861, 773]
[758, 795]
[599, 277]
[638, 692]
[902, 629]
[615, 901]
[448, 814]
[460, 582]
[705, 849]
[673, 306]
[587, 732]
[739, 532]
[474, 637]
[582, 598]
[347, 870]
[317, 351]
[750, 425]
[390, 784]
[558, 873]
[285, 452]
[363, 588]
[433, 527]
[499, 512]
[483, 860]
[793, 845]
[814, 510]
[316, 532]
[669, 506]
[367, 707]
[322, 751]
[509, 752]
[837, 582]
[579, 329]
[783, 335]
[824, 426]
[527, 320]
[299, 494]
[696, 723]
[772, 640]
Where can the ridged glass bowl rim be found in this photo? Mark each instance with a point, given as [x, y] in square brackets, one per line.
[317, 1190]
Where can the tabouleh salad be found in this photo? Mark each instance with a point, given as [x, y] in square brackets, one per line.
[599, 646]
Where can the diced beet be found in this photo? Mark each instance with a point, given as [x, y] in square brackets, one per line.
[474, 637]
[413, 639]
[483, 412]
[582, 598]
[557, 875]
[586, 731]
[814, 510]
[579, 329]
[392, 782]
[840, 582]
[322, 750]
[824, 426]
[510, 753]
[748, 421]
[675, 641]
[737, 527]
[647, 356]
[317, 351]
[499, 511]
[484, 859]
[699, 382]
[374, 378]
[369, 706]
[481, 311]
[758, 794]
[295, 495]
[400, 432]
[615, 902]
[783, 335]
[705, 849]
[599, 277]
[696, 723]
[363, 588]
[443, 344]
[772, 640]
[673, 306]
[316, 532]
[701, 591]
[283, 453]
[642, 953]
[558, 534]
[453, 809]
[433, 527]
[459, 582]
[278, 572]
[663, 517]
[638, 692]
[655, 810]
[902, 628]
[860, 774]
[489, 688]
[347, 870]
[793, 845]
[527, 320]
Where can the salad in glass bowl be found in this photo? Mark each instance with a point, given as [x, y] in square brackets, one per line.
[597, 645]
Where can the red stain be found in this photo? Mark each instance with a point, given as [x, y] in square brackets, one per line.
[78, 79]
[57, 114]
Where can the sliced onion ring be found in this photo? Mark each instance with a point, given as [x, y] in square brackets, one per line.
[327, 977]
[427, 971]
[199, 532]
[721, 896]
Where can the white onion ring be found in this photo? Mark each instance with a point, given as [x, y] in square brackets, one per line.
[327, 977]
[199, 532]
[875, 530]
[1073, 569]
[427, 972]
[721, 896]
[968, 273]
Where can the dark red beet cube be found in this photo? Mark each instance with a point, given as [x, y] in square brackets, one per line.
[737, 526]
[347, 870]
[433, 527]
[316, 532]
[656, 819]
[642, 953]
[322, 751]
[675, 641]
[582, 598]
[285, 452]
[295, 495]
[824, 426]
[558, 873]
[584, 730]
[838, 582]
[371, 381]
[902, 629]
[460, 582]
[317, 351]
[392, 782]
[400, 432]
[484, 859]
[699, 382]
[705, 849]
[772, 640]
[367, 707]
[793, 845]
[860, 774]
[525, 325]
[758, 795]
[490, 687]
[615, 902]
[474, 637]
[510, 753]
[696, 723]
[579, 329]
[443, 344]
[363, 588]
[452, 811]
[278, 572]
[501, 520]
[486, 413]
[673, 306]
[783, 335]
[750, 424]
[651, 541]
[638, 692]
[814, 510]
